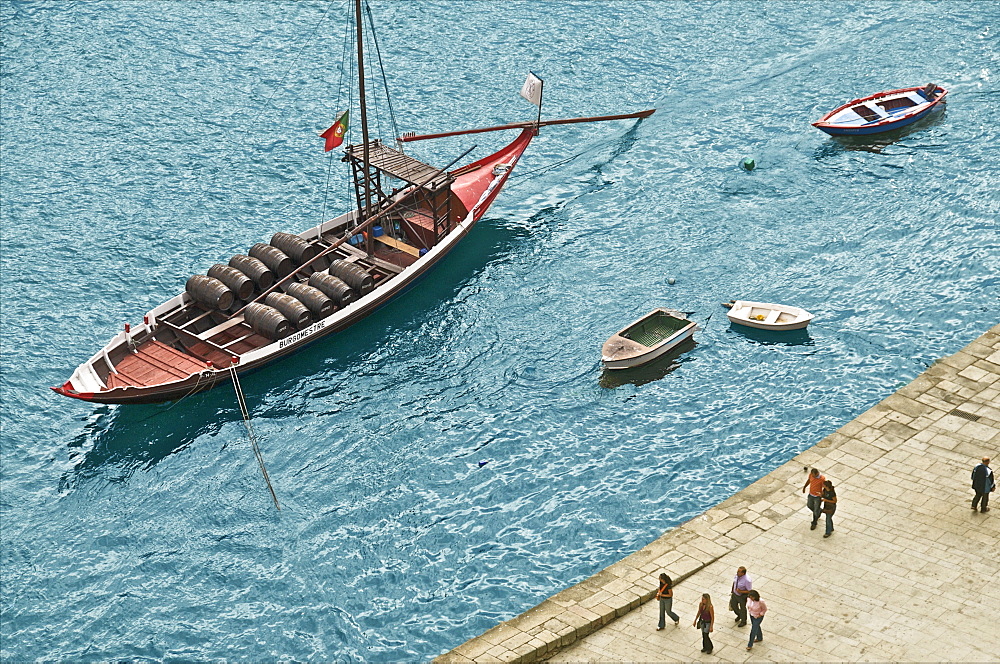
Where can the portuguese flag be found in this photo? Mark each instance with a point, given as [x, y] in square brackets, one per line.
[335, 135]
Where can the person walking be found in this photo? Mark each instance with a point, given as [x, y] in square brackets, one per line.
[738, 596]
[815, 484]
[666, 596]
[757, 609]
[705, 621]
[983, 484]
[829, 505]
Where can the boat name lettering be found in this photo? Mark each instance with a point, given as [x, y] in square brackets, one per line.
[298, 336]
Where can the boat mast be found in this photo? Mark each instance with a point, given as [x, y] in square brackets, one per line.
[364, 111]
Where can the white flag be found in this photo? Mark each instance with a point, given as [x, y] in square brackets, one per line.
[532, 90]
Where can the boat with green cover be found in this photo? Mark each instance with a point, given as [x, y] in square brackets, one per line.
[646, 339]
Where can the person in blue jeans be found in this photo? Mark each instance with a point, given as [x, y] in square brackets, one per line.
[815, 485]
[666, 596]
[756, 608]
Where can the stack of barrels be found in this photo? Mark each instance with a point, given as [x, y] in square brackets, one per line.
[332, 285]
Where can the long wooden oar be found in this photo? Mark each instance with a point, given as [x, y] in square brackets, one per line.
[406, 138]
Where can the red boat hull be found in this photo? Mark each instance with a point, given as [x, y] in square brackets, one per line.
[153, 377]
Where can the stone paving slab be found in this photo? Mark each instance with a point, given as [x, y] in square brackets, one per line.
[911, 573]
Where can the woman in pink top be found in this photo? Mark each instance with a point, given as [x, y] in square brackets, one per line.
[756, 608]
[705, 621]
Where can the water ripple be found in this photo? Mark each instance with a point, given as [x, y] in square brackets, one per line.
[458, 456]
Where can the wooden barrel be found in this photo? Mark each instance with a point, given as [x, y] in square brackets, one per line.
[275, 259]
[354, 276]
[297, 249]
[208, 292]
[315, 300]
[321, 263]
[266, 321]
[296, 312]
[235, 280]
[254, 269]
[333, 288]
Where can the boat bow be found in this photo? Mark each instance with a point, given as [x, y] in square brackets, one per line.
[478, 184]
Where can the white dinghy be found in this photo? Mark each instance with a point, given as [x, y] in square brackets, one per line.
[767, 316]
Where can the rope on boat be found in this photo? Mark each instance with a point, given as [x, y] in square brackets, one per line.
[519, 178]
[274, 90]
[197, 384]
[385, 81]
[250, 432]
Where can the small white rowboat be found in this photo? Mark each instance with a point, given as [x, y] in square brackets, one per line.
[767, 316]
[645, 339]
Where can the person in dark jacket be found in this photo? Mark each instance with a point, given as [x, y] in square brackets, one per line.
[983, 484]
[829, 505]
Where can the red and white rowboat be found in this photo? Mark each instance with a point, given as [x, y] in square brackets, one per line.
[883, 111]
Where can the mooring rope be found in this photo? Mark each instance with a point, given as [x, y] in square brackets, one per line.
[251, 434]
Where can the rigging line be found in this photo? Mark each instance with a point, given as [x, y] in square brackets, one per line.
[541, 170]
[385, 80]
[349, 34]
[375, 100]
[326, 192]
[343, 61]
[226, 157]
[346, 67]
[251, 434]
[518, 178]
[197, 383]
[345, 49]
[371, 38]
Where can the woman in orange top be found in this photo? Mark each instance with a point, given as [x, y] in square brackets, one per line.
[705, 620]
[815, 484]
[666, 596]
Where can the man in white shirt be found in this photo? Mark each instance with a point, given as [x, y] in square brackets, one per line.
[742, 585]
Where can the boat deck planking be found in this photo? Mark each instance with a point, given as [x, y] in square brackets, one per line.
[153, 363]
[399, 245]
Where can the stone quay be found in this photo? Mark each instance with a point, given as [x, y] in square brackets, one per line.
[910, 574]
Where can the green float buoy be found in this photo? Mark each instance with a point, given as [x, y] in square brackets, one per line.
[748, 164]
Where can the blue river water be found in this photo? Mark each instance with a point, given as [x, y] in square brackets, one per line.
[457, 457]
